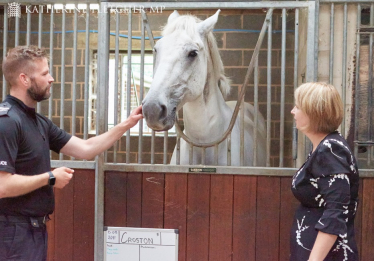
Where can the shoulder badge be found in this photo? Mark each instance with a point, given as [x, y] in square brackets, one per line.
[4, 108]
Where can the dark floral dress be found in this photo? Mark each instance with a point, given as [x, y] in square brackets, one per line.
[327, 188]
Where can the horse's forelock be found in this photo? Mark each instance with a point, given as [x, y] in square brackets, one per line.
[188, 24]
[185, 23]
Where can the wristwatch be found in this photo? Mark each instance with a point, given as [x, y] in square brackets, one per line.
[52, 179]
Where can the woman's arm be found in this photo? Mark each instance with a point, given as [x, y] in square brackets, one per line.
[322, 246]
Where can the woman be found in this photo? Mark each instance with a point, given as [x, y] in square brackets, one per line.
[327, 183]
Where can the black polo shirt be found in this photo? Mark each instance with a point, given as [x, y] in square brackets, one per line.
[26, 139]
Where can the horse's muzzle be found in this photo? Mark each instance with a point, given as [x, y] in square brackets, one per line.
[158, 116]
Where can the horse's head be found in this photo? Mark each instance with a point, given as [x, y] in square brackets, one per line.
[180, 68]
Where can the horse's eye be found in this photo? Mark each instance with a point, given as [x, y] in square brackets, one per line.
[192, 54]
[154, 50]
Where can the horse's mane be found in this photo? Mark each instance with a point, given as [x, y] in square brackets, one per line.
[188, 23]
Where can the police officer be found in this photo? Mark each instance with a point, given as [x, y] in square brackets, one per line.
[26, 138]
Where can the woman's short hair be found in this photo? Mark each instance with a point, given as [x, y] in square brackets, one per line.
[21, 60]
[322, 103]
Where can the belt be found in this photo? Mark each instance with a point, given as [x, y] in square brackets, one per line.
[34, 221]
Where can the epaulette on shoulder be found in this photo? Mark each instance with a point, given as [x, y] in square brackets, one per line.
[4, 108]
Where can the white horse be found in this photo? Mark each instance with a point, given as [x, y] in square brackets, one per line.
[189, 73]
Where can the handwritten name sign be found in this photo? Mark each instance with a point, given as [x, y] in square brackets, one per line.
[140, 244]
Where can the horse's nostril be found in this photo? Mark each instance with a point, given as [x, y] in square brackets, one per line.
[163, 112]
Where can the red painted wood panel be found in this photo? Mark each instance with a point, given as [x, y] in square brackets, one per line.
[244, 218]
[288, 205]
[153, 200]
[134, 199]
[198, 217]
[254, 212]
[268, 216]
[176, 208]
[64, 220]
[367, 240]
[84, 215]
[115, 195]
[221, 208]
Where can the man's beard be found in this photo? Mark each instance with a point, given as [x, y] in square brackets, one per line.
[36, 93]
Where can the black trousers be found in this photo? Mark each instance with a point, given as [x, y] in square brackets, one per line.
[22, 241]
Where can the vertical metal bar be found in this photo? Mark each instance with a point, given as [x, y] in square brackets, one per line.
[295, 84]
[357, 79]
[268, 98]
[370, 86]
[116, 71]
[203, 155]
[332, 24]
[151, 39]
[153, 147]
[255, 98]
[28, 27]
[123, 88]
[316, 42]
[283, 80]
[142, 55]
[241, 115]
[51, 31]
[5, 46]
[87, 73]
[16, 33]
[190, 151]
[309, 75]
[62, 104]
[40, 32]
[178, 152]
[344, 65]
[216, 154]
[229, 150]
[74, 87]
[310, 56]
[103, 67]
[128, 86]
[40, 28]
[165, 147]
[150, 36]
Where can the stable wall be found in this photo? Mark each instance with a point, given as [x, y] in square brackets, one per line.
[219, 217]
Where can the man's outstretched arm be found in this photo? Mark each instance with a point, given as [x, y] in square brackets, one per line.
[88, 149]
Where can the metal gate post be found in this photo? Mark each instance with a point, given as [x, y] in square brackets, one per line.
[101, 126]
[5, 46]
[310, 73]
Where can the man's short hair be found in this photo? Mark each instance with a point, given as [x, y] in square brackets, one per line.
[21, 59]
[322, 103]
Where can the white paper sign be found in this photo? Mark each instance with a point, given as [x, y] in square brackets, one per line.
[140, 244]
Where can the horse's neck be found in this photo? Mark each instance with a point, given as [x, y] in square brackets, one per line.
[206, 117]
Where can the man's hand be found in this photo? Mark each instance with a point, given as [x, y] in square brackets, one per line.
[134, 117]
[63, 176]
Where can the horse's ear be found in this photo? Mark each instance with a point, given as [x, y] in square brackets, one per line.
[173, 15]
[208, 24]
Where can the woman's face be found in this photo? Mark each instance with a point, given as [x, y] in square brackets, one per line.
[301, 119]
